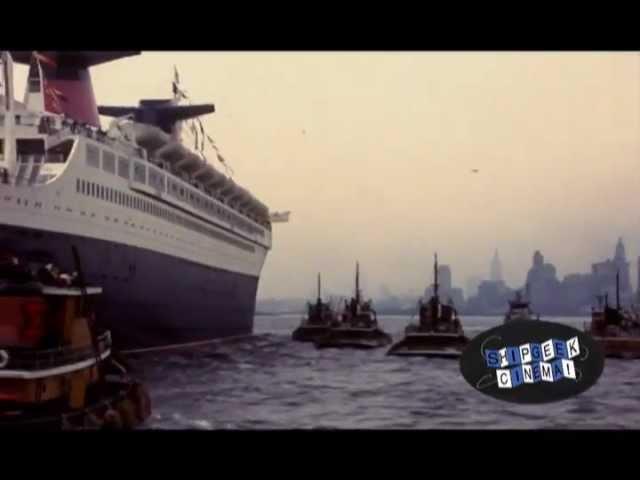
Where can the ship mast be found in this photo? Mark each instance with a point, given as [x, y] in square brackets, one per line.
[178, 95]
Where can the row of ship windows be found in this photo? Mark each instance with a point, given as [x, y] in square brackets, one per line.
[23, 201]
[138, 203]
[157, 180]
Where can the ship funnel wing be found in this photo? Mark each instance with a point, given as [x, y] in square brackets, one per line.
[117, 111]
[160, 113]
[184, 112]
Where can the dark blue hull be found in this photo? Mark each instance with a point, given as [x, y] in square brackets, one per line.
[149, 299]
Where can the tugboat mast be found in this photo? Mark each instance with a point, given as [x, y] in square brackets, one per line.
[435, 276]
[358, 283]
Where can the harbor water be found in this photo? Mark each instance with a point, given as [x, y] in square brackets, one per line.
[268, 381]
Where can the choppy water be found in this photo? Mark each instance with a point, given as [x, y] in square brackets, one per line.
[267, 381]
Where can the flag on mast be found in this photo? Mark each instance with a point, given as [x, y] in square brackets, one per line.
[212, 143]
[202, 132]
[53, 97]
[194, 132]
[178, 93]
[45, 59]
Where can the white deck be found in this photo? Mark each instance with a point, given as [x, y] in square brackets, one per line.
[71, 291]
[51, 372]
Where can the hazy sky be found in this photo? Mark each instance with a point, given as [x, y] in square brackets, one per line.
[372, 153]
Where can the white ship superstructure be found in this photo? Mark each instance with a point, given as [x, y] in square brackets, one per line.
[161, 229]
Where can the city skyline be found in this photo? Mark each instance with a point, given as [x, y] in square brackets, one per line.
[384, 290]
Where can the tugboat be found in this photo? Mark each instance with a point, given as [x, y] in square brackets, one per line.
[438, 333]
[617, 329]
[56, 369]
[520, 309]
[320, 318]
[358, 325]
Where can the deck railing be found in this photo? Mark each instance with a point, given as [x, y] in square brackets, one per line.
[24, 359]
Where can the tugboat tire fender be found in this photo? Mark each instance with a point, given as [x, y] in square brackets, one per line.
[4, 358]
[112, 420]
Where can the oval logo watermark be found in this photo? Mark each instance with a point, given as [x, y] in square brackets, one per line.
[532, 361]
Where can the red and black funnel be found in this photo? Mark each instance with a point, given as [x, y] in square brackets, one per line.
[67, 78]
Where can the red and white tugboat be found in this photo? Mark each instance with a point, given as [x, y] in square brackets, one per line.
[56, 371]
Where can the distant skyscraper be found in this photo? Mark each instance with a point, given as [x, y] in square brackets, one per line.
[444, 277]
[446, 289]
[474, 281]
[496, 268]
[604, 274]
[620, 255]
[444, 281]
[543, 285]
[538, 259]
[623, 267]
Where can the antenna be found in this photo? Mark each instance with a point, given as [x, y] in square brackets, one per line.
[435, 270]
[357, 282]
[319, 296]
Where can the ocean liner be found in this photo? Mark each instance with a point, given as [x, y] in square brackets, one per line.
[176, 245]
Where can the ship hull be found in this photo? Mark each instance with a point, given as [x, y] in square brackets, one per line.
[150, 300]
[310, 333]
[430, 344]
[359, 338]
